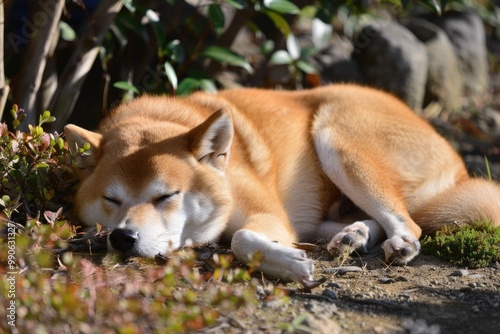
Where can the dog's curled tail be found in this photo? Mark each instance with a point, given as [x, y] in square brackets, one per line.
[470, 201]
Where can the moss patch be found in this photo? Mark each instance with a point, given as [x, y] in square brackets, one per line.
[472, 246]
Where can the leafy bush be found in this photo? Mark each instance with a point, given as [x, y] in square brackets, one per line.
[36, 170]
[172, 47]
[472, 246]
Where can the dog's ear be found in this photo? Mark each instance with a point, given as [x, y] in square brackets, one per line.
[210, 142]
[77, 138]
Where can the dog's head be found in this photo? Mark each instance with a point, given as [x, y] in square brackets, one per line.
[155, 184]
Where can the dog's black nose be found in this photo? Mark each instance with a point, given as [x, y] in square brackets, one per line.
[123, 239]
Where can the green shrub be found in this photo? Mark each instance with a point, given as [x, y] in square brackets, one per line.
[472, 246]
[36, 170]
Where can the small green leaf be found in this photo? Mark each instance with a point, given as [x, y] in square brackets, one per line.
[433, 5]
[60, 143]
[171, 75]
[307, 52]
[124, 85]
[217, 18]
[306, 67]
[129, 4]
[237, 4]
[208, 85]
[267, 46]
[37, 131]
[308, 12]
[42, 165]
[174, 50]
[279, 22]
[281, 57]
[187, 86]
[282, 6]
[48, 194]
[6, 199]
[227, 56]
[67, 33]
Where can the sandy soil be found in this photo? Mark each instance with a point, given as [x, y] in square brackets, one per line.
[427, 296]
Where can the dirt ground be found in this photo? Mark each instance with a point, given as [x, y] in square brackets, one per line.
[428, 296]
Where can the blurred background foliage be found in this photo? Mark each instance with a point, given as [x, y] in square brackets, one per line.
[78, 58]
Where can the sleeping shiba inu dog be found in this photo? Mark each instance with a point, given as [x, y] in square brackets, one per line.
[266, 169]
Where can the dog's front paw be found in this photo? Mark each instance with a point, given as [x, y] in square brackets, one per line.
[352, 237]
[293, 264]
[279, 261]
[401, 249]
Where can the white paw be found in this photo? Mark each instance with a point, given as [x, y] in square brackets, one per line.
[279, 261]
[401, 249]
[288, 263]
[352, 237]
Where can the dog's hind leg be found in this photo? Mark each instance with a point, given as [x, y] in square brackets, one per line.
[357, 167]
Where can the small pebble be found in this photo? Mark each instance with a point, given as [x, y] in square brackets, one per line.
[334, 285]
[404, 296]
[435, 282]
[329, 294]
[342, 270]
[460, 273]
[386, 280]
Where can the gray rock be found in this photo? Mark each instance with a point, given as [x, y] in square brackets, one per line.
[335, 63]
[386, 280]
[342, 270]
[466, 32]
[444, 79]
[460, 273]
[393, 59]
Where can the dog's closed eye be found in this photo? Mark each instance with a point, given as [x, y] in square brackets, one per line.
[163, 198]
[112, 200]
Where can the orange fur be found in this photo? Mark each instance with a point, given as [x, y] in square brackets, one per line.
[266, 167]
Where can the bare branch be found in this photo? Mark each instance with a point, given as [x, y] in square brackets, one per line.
[81, 62]
[4, 87]
[35, 60]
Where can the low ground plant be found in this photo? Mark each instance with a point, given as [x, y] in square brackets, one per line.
[472, 246]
